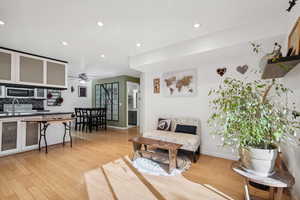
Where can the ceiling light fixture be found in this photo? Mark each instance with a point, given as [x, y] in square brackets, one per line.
[82, 81]
[100, 24]
[102, 56]
[196, 25]
[2, 23]
[64, 43]
[138, 44]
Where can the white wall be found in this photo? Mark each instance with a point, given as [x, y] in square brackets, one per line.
[157, 105]
[292, 153]
[71, 100]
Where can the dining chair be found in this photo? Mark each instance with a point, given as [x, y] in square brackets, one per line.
[78, 119]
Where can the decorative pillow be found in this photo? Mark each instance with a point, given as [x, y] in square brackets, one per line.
[164, 124]
[180, 128]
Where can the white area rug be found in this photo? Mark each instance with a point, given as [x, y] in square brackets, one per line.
[158, 164]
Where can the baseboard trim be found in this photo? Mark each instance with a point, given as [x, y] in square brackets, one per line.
[117, 127]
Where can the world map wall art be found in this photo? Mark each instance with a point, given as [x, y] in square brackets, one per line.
[179, 83]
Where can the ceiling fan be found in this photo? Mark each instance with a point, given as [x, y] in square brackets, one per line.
[83, 77]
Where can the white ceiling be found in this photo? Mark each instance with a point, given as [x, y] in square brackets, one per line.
[39, 26]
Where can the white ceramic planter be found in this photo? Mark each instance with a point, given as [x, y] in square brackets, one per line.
[259, 161]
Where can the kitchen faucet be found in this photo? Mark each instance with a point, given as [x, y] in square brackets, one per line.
[13, 104]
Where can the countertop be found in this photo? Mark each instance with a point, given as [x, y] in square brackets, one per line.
[30, 114]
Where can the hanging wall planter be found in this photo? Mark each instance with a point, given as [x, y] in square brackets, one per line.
[49, 95]
[59, 100]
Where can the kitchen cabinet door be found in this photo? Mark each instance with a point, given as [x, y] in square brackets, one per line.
[31, 70]
[8, 137]
[56, 74]
[6, 65]
[30, 138]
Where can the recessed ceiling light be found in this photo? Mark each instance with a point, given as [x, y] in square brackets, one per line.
[64, 43]
[2, 23]
[196, 25]
[138, 44]
[100, 24]
[102, 56]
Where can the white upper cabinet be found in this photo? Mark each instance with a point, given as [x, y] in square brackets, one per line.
[56, 73]
[31, 70]
[24, 69]
[6, 66]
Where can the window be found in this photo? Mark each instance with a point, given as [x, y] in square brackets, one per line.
[108, 94]
[82, 91]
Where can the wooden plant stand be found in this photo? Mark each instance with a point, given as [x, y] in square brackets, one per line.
[277, 182]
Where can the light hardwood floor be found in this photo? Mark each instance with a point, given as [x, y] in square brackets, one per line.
[60, 173]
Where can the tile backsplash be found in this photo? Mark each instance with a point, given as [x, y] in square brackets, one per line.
[37, 104]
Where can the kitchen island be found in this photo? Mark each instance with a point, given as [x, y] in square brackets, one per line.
[17, 135]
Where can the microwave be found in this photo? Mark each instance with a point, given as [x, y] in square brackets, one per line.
[19, 92]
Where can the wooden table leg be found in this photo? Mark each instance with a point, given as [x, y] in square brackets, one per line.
[43, 131]
[279, 194]
[172, 160]
[67, 129]
[136, 150]
[246, 189]
[70, 134]
[271, 195]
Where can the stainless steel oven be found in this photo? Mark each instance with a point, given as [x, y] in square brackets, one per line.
[19, 92]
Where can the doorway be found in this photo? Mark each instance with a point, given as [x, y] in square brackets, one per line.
[133, 104]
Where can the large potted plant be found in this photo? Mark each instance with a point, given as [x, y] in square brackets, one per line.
[252, 117]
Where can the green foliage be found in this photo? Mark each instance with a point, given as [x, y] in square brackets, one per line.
[245, 115]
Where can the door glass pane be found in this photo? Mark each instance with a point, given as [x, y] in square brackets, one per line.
[9, 136]
[98, 97]
[116, 101]
[109, 101]
[32, 134]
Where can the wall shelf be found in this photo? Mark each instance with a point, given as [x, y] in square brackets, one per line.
[280, 67]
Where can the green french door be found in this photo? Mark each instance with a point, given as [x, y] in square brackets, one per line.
[107, 94]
